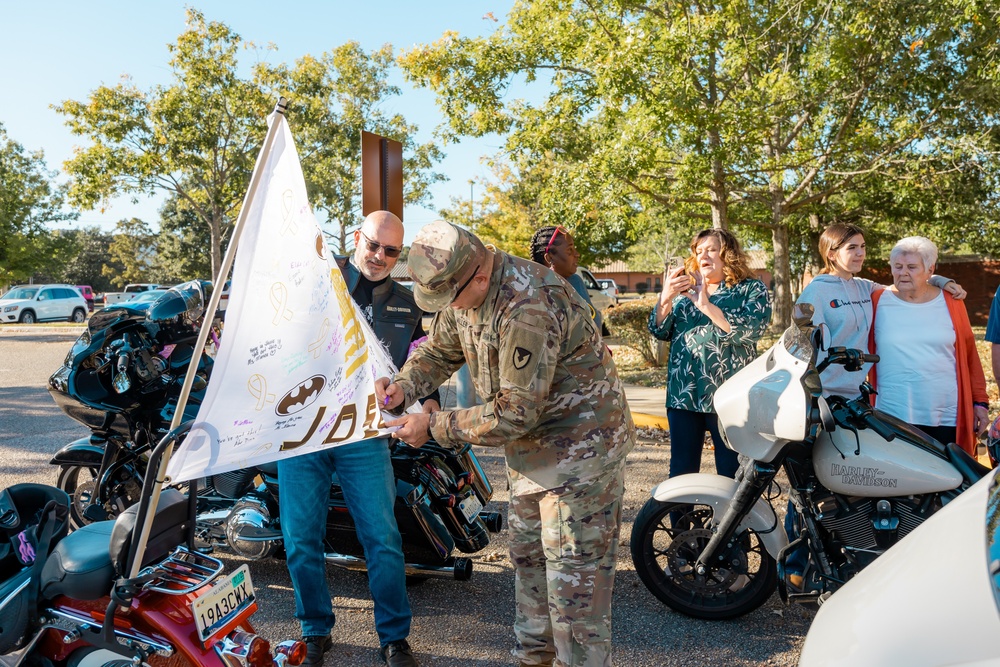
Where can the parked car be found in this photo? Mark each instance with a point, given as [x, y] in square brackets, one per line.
[609, 287]
[88, 294]
[140, 301]
[602, 302]
[111, 298]
[37, 303]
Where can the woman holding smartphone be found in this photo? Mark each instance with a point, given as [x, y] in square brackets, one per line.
[713, 311]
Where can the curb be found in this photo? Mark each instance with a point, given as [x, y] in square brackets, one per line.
[41, 329]
[643, 420]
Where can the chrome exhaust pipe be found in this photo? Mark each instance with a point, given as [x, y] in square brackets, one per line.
[459, 569]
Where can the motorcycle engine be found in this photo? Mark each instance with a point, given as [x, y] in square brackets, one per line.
[249, 529]
[869, 526]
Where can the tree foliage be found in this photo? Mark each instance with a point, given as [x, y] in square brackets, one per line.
[519, 201]
[333, 98]
[197, 138]
[89, 254]
[180, 244]
[132, 249]
[28, 201]
[777, 117]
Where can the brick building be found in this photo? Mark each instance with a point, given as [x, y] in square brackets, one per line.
[629, 280]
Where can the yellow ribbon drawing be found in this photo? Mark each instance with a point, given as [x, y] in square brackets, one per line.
[316, 347]
[287, 201]
[279, 300]
[257, 385]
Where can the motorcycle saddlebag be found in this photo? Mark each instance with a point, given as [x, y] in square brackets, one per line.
[426, 539]
[14, 612]
[21, 509]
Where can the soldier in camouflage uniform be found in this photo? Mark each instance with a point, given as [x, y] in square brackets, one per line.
[554, 402]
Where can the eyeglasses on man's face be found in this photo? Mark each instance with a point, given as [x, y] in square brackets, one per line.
[373, 246]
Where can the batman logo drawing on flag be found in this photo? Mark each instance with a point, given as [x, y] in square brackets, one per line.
[301, 396]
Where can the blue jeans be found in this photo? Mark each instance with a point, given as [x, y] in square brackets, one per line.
[687, 439]
[365, 473]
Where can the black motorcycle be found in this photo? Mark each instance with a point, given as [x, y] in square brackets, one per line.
[122, 379]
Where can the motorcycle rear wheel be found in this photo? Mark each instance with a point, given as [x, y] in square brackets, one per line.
[666, 541]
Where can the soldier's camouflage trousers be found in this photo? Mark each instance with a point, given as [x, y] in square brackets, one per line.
[563, 545]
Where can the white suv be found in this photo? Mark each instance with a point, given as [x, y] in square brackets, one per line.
[610, 288]
[36, 303]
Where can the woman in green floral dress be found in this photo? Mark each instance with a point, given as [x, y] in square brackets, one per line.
[713, 311]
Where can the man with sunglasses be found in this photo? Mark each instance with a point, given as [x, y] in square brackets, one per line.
[553, 401]
[363, 468]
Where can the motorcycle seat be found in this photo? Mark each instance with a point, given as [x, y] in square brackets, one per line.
[80, 566]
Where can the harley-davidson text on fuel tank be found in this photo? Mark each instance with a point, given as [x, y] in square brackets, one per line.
[862, 476]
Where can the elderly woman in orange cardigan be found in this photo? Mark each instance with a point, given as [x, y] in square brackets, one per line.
[929, 374]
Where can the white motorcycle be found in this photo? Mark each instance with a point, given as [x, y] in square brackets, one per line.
[860, 480]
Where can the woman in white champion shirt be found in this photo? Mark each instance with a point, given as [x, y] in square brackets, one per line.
[929, 373]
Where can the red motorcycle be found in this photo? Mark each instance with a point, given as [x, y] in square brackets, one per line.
[119, 593]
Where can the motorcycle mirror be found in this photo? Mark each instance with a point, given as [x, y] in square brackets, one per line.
[826, 415]
[821, 337]
[802, 314]
[812, 382]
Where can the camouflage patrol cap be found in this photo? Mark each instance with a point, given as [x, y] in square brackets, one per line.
[442, 259]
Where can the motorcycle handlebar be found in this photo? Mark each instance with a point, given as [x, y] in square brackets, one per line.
[854, 360]
[874, 424]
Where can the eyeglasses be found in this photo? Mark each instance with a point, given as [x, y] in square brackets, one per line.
[552, 239]
[373, 246]
[465, 284]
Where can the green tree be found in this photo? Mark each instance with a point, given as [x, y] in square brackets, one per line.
[134, 250]
[764, 115]
[180, 244]
[196, 138]
[90, 253]
[28, 202]
[333, 98]
[524, 197]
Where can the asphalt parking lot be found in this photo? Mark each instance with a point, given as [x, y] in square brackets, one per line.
[455, 624]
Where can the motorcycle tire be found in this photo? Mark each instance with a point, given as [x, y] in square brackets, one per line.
[79, 483]
[665, 557]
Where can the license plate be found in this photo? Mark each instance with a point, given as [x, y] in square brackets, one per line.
[226, 602]
[470, 507]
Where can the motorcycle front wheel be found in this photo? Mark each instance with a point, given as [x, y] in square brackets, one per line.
[79, 483]
[667, 539]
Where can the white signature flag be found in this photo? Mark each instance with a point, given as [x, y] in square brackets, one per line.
[297, 362]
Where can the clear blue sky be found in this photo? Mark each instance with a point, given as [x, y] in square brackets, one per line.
[57, 50]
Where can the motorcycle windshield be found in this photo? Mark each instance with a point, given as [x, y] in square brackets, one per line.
[798, 338]
[185, 302]
[105, 318]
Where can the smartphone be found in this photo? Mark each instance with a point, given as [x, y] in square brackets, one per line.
[671, 264]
